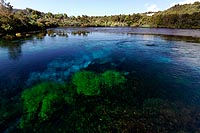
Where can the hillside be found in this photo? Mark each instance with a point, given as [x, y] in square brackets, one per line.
[183, 9]
[178, 16]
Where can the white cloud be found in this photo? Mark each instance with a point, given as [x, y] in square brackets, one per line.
[184, 2]
[10, 0]
[152, 7]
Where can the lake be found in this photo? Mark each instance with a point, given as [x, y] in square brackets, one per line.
[162, 68]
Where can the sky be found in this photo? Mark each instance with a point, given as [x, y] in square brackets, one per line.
[97, 7]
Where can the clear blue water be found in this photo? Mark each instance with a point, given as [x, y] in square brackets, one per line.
[165, 67]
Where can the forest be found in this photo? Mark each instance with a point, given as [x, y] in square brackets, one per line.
[23, 20]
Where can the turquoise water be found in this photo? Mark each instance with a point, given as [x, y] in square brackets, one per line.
[158, 68]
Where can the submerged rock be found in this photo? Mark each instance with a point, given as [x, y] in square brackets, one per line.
[9, 37]
[150, 45]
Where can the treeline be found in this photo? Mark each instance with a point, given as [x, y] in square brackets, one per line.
[13, 21]
[178, 16]
[115, 20]
[190, 21]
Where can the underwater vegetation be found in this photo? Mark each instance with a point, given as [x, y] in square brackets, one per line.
[90, 83]
[153, 105]
[101, 102]
[42, 100]
[112, 78]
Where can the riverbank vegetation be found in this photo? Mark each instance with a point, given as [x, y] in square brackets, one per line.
[18, 20]
[14, 20]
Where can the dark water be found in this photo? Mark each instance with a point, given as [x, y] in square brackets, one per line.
[165, 67]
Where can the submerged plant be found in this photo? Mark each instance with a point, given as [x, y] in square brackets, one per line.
[89, 83]
[152, 105]
[42, 100]
[113, 78]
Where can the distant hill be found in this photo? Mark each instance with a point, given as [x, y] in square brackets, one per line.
[178, 16]
[183, 9]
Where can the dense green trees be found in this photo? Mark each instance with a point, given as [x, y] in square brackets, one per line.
[15, 20]
[177, 20]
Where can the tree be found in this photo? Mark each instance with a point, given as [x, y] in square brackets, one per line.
[5, 5]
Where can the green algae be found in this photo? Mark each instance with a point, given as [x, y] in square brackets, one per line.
[89, 83]
[42, 100]
[100, 108]
[152, 105]
[113, 78]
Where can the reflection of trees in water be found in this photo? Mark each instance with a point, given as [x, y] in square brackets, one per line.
[14, 46]
[14, 49]
[53, 33]
[41, 35]
[64, 33]
[14, 52]
[181, 38]
[80, 33]
[150, 36]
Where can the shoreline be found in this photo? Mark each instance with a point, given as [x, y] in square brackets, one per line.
[190, 33]
[194, 33]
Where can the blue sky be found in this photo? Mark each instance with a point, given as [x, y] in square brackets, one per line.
[96, 7]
